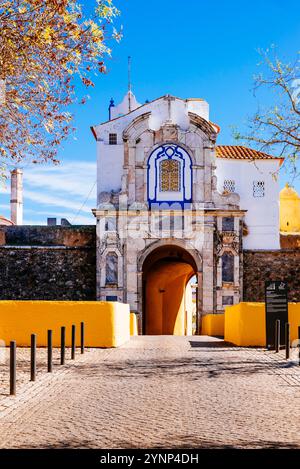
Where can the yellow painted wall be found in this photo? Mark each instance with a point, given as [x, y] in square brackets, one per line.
[213, 324]
[107, 324]
[166, 301]
[133, 324]
[294, 319]
[289, 210]
[245, 323]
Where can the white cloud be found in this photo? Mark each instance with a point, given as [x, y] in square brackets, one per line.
[70, 216]
[80, 220]
[27, 221]
[46, 199]
[64, 191]
[76, 178]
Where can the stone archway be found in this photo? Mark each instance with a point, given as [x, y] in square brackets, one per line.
[168, 306]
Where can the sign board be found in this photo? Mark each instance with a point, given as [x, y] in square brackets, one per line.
[276, 301]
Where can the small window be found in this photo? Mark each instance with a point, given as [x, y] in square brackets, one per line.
[229, 185]
[228, 224]
[113, 139]
[110, 224]
[227, 267]
[258, 188]
[227, 300]
[111, 298]
[111, 269]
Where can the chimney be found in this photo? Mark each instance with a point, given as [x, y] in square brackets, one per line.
[51, 222]
[111, 105]
[16, 201]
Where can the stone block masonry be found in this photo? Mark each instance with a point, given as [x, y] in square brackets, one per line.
[34, 235]
[48, 263]
[271, 265]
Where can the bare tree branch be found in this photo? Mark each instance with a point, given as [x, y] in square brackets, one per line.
[277, 128]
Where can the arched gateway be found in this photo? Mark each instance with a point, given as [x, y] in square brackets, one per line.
[168, 212]
[169, 300]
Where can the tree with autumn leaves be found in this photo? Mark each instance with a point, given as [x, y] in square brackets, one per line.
[44, 46]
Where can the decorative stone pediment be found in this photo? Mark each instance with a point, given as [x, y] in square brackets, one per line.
[227, 199]
[227, 241]
[136, 127]
[169, 132]
[202, 124]
[108, 200]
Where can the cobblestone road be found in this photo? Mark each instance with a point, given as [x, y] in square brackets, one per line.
[159, 392]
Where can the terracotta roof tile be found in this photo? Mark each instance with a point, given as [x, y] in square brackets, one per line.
[236, 152]
[5, 221]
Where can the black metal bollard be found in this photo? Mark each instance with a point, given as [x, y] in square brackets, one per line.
[49, 351]
[12, 368]
[33, 358]
[277, 335]
[62, 345]
[73, 342]
[287, 341]
[82, 337]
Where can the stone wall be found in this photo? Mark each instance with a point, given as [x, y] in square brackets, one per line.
[288, 241]
[271, 265]
[81, 235]
[48, 263]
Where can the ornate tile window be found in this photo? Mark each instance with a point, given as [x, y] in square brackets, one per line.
[258, 188]
[112, 139]
[229, 185]
[169, 176]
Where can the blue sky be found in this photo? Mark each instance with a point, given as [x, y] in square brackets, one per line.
[189, 49]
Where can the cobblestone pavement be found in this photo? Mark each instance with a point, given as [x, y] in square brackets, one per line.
[23, 366]
[158, 391]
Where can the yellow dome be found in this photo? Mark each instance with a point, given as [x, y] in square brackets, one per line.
[289, 193]
[289, 210]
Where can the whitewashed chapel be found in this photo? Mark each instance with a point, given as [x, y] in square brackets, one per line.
[173, 205]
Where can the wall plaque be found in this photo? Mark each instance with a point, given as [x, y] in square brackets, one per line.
[276, 303]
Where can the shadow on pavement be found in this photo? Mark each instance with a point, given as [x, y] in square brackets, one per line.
[171, 441]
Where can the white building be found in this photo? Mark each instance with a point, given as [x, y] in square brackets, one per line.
[251, 175]
[168, 193]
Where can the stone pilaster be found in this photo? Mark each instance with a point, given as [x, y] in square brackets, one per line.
[208, 267]
[208, 157]
[131, 175]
